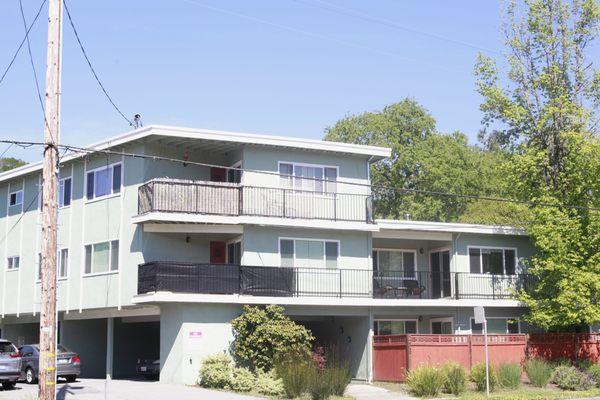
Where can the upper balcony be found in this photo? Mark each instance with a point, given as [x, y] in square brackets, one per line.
[235, 200]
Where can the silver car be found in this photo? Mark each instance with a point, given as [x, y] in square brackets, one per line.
[68, 363]
[10, 364]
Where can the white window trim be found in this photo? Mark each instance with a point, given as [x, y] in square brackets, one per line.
[237, 239]
[414, 251]
[71, 199]
[106, 196]
[109, 272]
[12, 269]
[441, 319]
[237, 164]
[415, 320]
[58, 277]
[517, 319]
[22, 198]
[299, 164]
[339, 248]
[503, 259]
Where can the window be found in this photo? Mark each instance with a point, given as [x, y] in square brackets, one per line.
[441, 327]
[16, 198]
[234, 253]
[103, 181]
[395, 327]
[493, 261]
[64, 192]
[12, 263]
[313, 178]
[62, 264]
[234, 175]
[308, 253]
[395, 260]
[497, 325]
[102, 257]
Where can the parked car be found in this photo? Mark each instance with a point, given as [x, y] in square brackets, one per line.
[68, 363]
[10, 364]
[148, 368]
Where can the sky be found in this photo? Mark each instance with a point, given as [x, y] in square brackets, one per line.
[282, 67]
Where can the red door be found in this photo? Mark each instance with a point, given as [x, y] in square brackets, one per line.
[217, 252]
[218, 174]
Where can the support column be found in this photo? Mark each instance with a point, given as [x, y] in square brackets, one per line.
[370, 348]
[110, 326]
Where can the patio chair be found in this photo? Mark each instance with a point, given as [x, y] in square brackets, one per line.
[413, 288]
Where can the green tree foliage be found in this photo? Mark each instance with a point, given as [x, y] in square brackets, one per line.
[544, 113]
[264, 333]
[8, 163]
[422, 159]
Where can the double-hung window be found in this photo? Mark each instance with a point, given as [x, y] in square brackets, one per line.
[311, 178]
[494, 261]
[103, 181]
[402, 262]
[64, 192]
[12, 263]
[309, 253]
[102, 257]
[15, 198]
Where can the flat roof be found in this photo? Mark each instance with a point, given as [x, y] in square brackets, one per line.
[448, 227]
[373, 152]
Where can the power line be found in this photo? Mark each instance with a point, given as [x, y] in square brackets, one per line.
[89, 63]
[14, 57]
[88, 150]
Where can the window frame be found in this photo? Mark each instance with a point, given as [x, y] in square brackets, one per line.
[403, 320]
[441, 320]
[504, 249]
[233, 242]
[324, 190]
[517, 319]
[109, 271]
[414, 251]
[38, 270]
[10, 261]
[16, 193]
[62, 182]
[111, 193]
[324, 241]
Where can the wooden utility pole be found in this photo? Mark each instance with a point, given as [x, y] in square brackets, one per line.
[48, 331]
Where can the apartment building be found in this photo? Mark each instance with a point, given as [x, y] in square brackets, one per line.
[157, 256]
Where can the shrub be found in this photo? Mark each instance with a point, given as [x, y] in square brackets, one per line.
[570, 378]
[295, 372]
[268, 384]
[242, 380]
[509, 375]
[539, 372]
[426, 381]
[339, 378]
[594, 370]
[319, 358]
[455, 378]
[262, 332]
[584, 364]
[216, 371]
[320, 387]
[478, 377]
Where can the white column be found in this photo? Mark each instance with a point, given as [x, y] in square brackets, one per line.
[370, 348]
[110, 326]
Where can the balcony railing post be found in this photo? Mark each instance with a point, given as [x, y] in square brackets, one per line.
[335, 206]
[240, 200]
[456, 294]
[284, 205]
[340, 278]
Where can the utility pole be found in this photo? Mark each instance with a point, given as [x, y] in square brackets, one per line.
[48, 331]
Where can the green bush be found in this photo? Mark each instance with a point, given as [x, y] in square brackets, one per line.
[478, 377]
[570, 378]
[594, 370]
[455, 378]
[539, 372]
[242, 380]
[268, 384]
[261, 333]
[584, 364]
[339, 378]
[320, 387]
[295, 372]
[216, 371]
[426, 381]
[509, 375]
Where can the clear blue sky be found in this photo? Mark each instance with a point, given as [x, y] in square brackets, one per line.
[289, 67]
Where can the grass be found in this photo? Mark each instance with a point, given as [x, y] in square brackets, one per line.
[526, 393]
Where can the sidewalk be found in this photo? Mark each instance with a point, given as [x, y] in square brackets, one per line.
[363, 391]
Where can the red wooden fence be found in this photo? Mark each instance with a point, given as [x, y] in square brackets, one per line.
[394, 355]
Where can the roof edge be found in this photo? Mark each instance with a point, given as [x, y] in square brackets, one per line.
[452, 227]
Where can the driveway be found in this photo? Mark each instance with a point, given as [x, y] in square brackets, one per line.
[97, 389]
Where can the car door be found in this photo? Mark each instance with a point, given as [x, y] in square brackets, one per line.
[26, 353]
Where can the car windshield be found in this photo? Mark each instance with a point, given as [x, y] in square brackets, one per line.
[6, 347]
[60, 348]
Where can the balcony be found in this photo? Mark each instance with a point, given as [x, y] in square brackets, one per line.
[320, 282]
[230, 199]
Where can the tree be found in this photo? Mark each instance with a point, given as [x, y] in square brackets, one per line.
[545, 114]
[8, 163]
[421, 160]
[263, 333]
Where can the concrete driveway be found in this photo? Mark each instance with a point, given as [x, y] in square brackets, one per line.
[97, 389]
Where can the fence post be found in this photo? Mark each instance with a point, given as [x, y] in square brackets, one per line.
[408, 350]
[470, 351]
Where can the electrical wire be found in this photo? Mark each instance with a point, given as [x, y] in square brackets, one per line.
[89, 63]
[88, 150]
[14, 57]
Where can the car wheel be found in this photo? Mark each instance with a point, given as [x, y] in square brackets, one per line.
[71, 378]
[8, 385]
[30, 376]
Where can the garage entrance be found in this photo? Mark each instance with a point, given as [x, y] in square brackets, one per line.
[134, 338]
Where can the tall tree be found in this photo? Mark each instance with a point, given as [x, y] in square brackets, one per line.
[421, 160]
[8, 163]
[544, 111]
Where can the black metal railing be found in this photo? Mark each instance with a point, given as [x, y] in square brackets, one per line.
[221, 198]
[324, 282]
